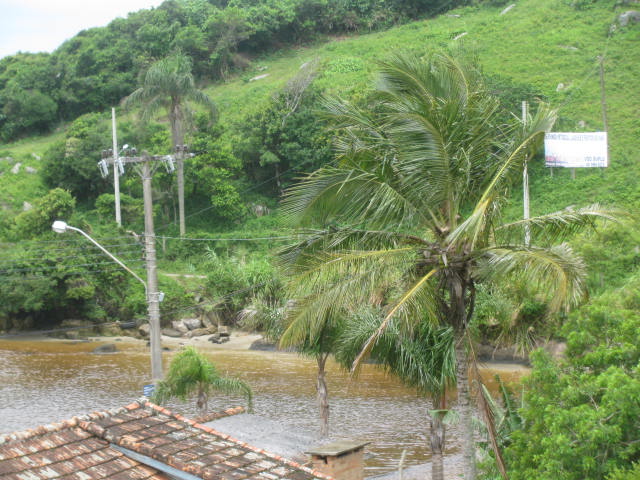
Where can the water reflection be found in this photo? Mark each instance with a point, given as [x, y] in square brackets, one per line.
[43, 382]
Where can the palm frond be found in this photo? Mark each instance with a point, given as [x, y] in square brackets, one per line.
[419, 296]
[557, 270]
[557, 226]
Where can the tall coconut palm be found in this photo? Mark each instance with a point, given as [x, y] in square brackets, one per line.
[191, 373]
[411, 211]
[423, 358]
[169, 84]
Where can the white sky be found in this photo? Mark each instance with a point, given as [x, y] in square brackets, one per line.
[42, 25]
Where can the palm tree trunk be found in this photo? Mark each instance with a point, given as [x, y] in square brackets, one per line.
[437, 433]
[465, 408]
[323, 401]
[175, 118]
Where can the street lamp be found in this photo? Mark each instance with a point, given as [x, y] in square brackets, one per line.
[153, 299]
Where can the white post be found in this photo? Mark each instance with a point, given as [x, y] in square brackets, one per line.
[116, 172]
[525, 182]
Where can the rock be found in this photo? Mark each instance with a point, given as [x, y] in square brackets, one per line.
[106, 348]
[263, 345]
[144, 329]
[259, 210]
[224, 331]
[170, 332]
[30, 170]
[560, 87]
[207, 323]
[259, 77]
[26, 206]
[36, 156]
[631, 16]
[192, 323]
[16, 168]
[199, 332]
[507, 9]
[582, 124]
[179, 326]
[224, 339]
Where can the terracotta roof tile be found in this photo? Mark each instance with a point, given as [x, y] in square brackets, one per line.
[83, 449]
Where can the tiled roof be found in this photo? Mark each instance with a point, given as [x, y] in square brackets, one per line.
[85, 448]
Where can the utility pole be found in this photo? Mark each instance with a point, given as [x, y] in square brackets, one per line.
[116, 173]
[147, 165]
[525, 181]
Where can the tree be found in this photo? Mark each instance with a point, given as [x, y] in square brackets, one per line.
[411, 211]
[191, 373]
[423, 358]
[169, 84]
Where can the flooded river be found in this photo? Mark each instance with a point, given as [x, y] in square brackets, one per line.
[47, 381]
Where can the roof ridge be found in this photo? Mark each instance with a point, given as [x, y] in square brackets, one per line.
[213, 431]
[74, 421]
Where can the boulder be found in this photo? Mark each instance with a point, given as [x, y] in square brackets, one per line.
[30, 170]
[170, 332]
[26, 206]
[631, 16]
[192, 323]
[179, 326]
[16, 168]
[144, 329]
[224, 331]
[106, 348]
[199, 332]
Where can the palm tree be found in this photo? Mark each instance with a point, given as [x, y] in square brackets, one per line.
[192, 373]
[169, 84]
[411, 211]
[423, 358]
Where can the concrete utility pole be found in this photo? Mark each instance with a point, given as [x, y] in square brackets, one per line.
[116, 173]
[525, 180]
[148, 164]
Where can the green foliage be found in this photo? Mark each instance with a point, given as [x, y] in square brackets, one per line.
[131, 209]
[191, 373]
[58, 204]
[72, 163]
[422, 358]
[581, 414]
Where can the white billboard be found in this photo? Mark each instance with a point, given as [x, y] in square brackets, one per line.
[576, 150]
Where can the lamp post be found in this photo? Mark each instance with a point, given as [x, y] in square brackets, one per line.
[153, 299]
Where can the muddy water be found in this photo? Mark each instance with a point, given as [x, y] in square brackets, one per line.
[43, 382]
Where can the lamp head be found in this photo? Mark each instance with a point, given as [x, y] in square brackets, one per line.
[59, 226]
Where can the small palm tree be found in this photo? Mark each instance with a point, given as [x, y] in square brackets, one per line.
[192, 373]
[169, 84]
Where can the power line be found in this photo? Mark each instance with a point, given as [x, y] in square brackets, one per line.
[227, 239]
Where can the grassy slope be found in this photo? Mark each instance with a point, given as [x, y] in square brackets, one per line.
[540, 42]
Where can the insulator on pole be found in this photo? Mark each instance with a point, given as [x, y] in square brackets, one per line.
[104, 169]
[168, 163]
[120, 166]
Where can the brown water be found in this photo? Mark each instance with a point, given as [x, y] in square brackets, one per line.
[43, 382]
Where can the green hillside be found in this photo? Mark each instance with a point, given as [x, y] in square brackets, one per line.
[538, 49]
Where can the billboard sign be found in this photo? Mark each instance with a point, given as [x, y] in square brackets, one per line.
[576, 150]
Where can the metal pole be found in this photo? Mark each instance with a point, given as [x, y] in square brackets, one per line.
[69, 227]
[152, 275]
[116, 173]
[525, 182]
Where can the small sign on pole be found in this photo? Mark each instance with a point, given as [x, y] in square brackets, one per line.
[576, 150]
